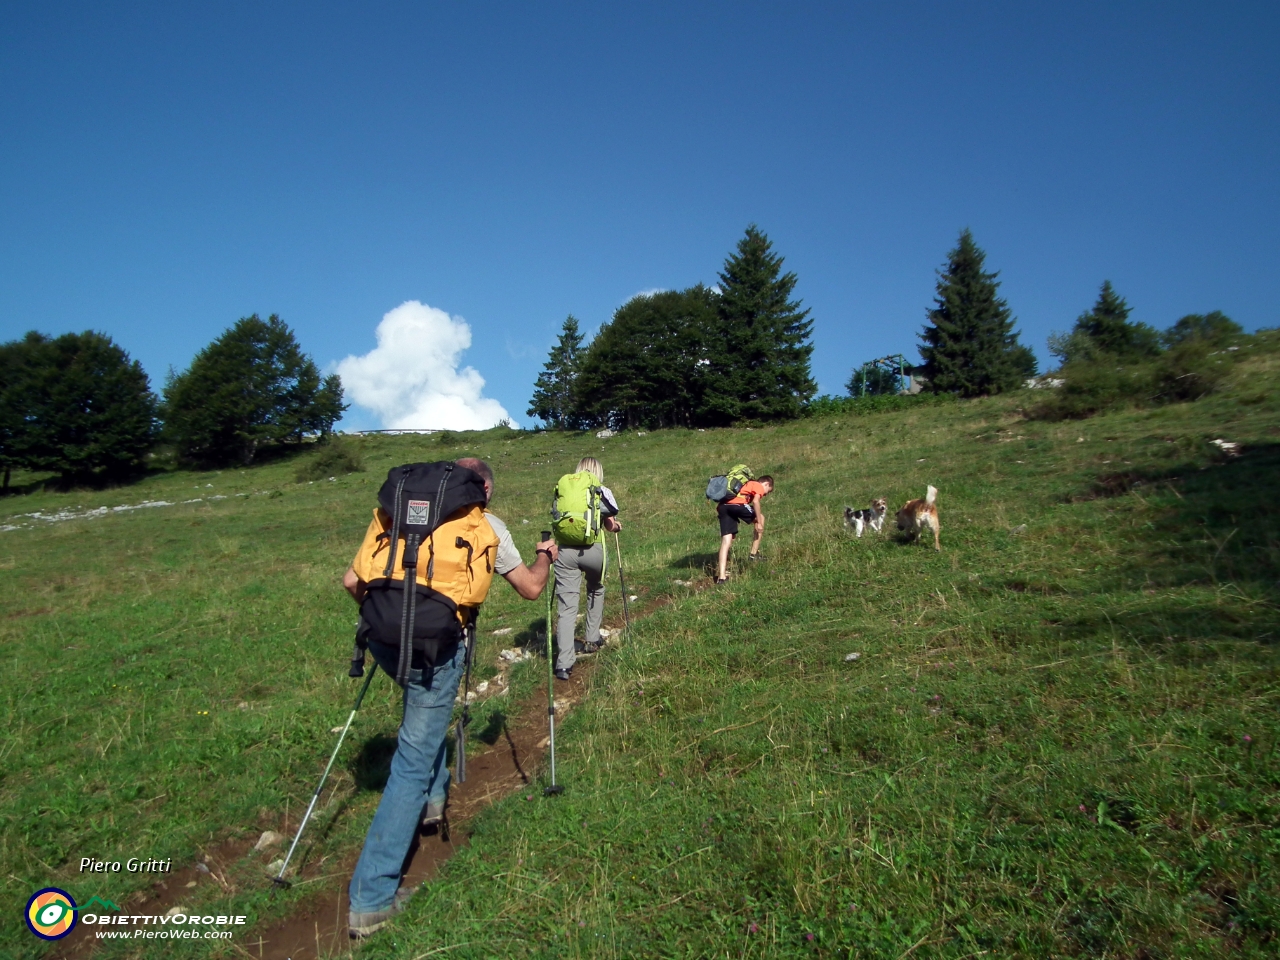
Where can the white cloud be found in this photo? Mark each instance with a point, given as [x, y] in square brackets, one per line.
[411, 379]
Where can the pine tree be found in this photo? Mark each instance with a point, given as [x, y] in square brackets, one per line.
[553, 393]
[759, 370]
[1108, 328]
[251, 387]
[89, 412]
[970, 347]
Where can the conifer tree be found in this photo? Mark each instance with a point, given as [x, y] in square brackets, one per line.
[553, 393]
[253, 386]
[970, 347]
[1108, 328]
[759, 369]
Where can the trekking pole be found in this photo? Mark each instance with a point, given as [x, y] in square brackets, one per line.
[626, 615]
[280, 880]
[466, 706]
[551, 677]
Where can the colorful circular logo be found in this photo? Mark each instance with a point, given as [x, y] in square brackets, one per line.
[51, 913]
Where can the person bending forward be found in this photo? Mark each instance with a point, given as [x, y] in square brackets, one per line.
[747, 507]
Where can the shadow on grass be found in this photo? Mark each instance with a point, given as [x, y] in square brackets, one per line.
[1217, 526]
[533, 636]
[493, 729]
[706, 562]
[372, 765]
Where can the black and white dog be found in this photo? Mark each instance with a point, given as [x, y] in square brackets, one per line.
[859, 520]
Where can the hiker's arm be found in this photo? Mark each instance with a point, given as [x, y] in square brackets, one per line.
[528, 581]
[354, 585]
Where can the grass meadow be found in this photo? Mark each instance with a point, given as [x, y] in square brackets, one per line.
[1058, 737]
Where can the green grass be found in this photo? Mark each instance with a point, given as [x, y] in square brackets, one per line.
[1040, 750]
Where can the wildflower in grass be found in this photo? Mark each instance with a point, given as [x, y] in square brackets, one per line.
[809, 937]
[1248, 739]
[752, 928]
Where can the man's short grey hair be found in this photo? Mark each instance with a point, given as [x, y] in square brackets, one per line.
[480, 467]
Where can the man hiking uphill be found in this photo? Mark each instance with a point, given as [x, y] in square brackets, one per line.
[582, 505]
[745, 506]
[453, 557]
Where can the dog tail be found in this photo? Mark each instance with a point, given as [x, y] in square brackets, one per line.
[931, 496]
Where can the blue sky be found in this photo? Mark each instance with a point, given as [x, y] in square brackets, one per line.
[169, 168]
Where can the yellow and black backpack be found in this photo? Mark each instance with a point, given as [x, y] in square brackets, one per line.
[429, 529]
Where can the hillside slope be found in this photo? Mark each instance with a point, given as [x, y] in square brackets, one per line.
[1057, 739]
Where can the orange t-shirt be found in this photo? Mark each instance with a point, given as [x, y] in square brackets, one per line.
[751, 491]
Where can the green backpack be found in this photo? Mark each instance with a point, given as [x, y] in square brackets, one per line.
[575, 510]
[737, 476]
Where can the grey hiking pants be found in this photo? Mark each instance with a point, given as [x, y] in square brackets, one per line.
[571, 565]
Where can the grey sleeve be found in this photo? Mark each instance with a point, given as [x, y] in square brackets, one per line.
[508, 556]
[608, 501]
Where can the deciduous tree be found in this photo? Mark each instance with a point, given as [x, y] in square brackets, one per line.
[646, 367]
[250, 387]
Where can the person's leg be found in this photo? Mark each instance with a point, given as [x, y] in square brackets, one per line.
[415, 773]
[757, 531]
[568, 586]
[592, 566]
[726, 542]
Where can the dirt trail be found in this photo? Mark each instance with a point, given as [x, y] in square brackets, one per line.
[318, 928]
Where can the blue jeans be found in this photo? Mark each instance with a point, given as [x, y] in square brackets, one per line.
[418, 776]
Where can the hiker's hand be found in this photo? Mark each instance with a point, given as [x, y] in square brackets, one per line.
[612, 524]
[549, 548]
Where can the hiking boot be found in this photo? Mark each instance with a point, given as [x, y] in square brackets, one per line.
[754, 556]
[562, 674]
[722, 580]
[360, 925]
[589, 648]
[434, 813]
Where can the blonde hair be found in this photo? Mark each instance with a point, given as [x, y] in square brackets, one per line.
[592, 466]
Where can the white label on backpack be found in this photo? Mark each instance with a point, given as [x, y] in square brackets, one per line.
[419, 512]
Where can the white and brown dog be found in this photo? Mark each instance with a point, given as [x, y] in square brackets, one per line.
[920, 515]
[859, 520]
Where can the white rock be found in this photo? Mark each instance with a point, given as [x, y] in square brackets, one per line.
[633, 597]
[606, 632]
[269, 838]
[274, 867]
[606, 434]
[503, 632]
[510, 656]
[178, 911]
[1019, 529]
[337, 729]
[850, 657]
[482, 686]
[202, 867]
[471, 696]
